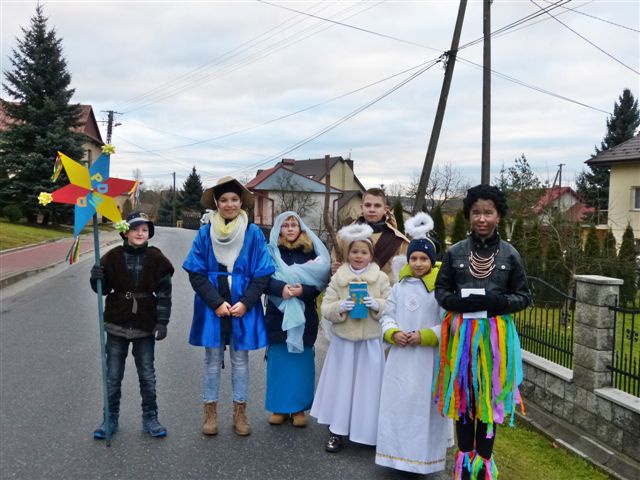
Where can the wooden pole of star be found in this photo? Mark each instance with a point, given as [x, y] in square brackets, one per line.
[103, 340]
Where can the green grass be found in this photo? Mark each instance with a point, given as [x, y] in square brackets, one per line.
[17, 234]
[522, 453]
[14, 235]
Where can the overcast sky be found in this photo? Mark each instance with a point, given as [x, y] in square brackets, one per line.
[204, 83]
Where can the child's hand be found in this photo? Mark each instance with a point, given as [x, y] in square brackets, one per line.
[400, 338]
[223, 310]
[286, 292]
[371, 303]
[413, 338]
[160, 331]
[238, 310]
[295, 290]
[97, 273]
[346, 305]
[335, 266]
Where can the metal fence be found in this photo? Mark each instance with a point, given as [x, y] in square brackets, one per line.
[626, 352]
[546, 326]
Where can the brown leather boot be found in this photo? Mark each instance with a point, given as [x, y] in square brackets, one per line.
[210, 424]
[299, 420]
[240, 423]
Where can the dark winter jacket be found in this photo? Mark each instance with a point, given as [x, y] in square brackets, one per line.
[506, 288]
[273, 317]
[137, 282]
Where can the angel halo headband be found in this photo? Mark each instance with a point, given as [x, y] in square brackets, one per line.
[356, 232]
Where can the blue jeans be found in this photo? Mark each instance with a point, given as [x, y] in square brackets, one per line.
[143, 353]
[213, 358]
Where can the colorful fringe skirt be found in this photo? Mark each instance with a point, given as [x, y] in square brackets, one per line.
[479, 369]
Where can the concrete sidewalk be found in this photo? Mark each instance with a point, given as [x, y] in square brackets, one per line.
[19, 263]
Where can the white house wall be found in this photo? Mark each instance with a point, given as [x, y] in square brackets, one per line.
[623, 180]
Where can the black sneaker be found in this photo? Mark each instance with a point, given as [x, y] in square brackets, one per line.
[334, 444]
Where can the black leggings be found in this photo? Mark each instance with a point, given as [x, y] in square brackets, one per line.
[472, 435]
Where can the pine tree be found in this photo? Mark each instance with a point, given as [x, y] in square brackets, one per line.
[397, 213]
[459, 228]
[593, 185]
[192, 192]
[609, 256]
[532, 252]
[439, 229]
[41, 118]
[555, 269]
[165, 211]
[517, 236]
[627, 263]
[590, 264]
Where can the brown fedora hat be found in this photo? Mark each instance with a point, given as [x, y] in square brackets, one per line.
[208, 197]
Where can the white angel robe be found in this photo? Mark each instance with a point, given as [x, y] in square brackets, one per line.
[412, 435]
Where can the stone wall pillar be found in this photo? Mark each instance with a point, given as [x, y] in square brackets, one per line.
[593, 334]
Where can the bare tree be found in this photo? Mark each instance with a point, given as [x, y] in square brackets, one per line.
[445, 183]
[290, 196]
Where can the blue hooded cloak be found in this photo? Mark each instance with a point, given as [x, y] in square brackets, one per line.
[248, 331]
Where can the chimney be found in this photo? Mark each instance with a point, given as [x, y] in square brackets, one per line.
[288, 161]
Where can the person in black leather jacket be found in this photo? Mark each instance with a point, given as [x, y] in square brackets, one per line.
[481, 282]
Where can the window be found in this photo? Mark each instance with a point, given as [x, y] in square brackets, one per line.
[636, 198]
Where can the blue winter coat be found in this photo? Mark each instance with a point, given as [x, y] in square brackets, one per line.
[253, 261]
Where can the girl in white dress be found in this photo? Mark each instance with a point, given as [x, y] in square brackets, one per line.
[348, 393]
[412, 435]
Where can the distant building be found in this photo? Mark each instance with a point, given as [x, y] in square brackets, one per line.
[300, 185]
[562, 201]
[623, 162]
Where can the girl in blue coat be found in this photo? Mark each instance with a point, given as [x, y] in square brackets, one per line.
[229, 267]
[302, 265]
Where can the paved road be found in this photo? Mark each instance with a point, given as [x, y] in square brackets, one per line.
[51, 398]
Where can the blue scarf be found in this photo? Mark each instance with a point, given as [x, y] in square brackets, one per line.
[314, 272]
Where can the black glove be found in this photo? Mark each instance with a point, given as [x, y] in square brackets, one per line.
[97, 273]
[160, 331]
[474, 303]
[496, 304]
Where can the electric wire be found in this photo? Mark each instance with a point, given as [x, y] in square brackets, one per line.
[532, 87]
[338, 122]
[587, 40]
[291, 114]
[575, 10]
[281, 44]
[214, 61]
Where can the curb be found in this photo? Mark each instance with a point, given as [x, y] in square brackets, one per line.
[15, 278]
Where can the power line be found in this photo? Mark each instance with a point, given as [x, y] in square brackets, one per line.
[210, 63]
[575, 10]
[340, 121]
[282, 117]
[587, 40]
[253, 57]
[533, 87]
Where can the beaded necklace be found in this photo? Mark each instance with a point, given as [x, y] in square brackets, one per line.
[482, 267]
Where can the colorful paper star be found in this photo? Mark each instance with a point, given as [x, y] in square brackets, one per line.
[91, 190]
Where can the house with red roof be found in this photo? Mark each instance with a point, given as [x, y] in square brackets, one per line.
[564, 201]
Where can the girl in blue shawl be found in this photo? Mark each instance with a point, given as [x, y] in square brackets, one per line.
[229, 267]
[302, 265]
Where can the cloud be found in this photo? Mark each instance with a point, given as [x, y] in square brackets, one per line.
[211, 68]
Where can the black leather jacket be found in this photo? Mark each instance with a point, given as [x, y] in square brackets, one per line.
[506, 285]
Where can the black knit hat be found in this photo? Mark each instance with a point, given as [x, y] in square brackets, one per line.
[424, 245]
[137, 218]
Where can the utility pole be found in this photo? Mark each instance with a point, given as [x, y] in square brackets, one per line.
[173, 206]
[110, 123]
[486, 94]
[442, 103]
